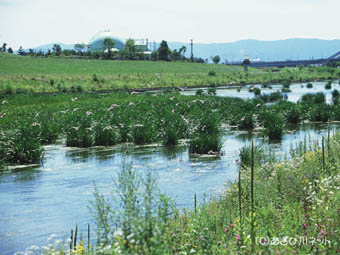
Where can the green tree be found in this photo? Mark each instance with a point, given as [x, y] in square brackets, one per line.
[163, 51]
[79, 47]
[21, 51]
[130, 49]
[31, 52]
[246, 63]
[3, 48]
[56, 49]
[182, 51]
[175, 55]
[109, 44]
[216, 59]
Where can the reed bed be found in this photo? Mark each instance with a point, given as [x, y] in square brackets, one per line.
[27, 122]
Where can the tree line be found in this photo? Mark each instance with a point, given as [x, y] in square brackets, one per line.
[131, 51]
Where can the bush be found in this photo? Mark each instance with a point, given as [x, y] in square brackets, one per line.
[309, 85]
[273, 124]
[317, 98]
[247, 122]
[320, 112]
[328, 85]
[285, 90]
[294, 115]
[141, 215]
[212, 91]
[205, 143]
[212, 73]
[199, 92]
[286, 84]
[335, 96]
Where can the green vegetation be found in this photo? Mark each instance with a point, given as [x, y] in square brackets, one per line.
[328, 85]
[83, 120]
[275, 207]
[20, 74]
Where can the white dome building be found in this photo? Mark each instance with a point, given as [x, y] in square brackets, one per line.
[97, 41]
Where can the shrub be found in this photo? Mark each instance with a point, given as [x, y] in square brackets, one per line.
[170, 136]
[95, 78]
[212, 73]
[320, 112]
[205, 143]
[335, 96]
[294, 115]
[286, 84]
[199, 92]
[142, 134]
[141, 214]
[285, 90]
[104, 135]
[20, 146]
[317, 98]
[328, 85]
[309, 85]
[273, 124]
[247, 122]
[212, 91]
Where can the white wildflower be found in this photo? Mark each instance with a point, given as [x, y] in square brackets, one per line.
[51, 237]
[88, 113]
[34, 124]
[107, 128]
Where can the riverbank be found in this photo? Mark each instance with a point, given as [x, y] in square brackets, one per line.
[279, 207]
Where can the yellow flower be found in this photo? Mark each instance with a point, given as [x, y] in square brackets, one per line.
[80, 248]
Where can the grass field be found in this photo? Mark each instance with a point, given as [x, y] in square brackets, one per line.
[18, 65]
[30, 74]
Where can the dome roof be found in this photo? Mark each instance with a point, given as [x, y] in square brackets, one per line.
[97, 41]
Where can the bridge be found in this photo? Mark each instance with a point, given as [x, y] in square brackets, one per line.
[291, 63]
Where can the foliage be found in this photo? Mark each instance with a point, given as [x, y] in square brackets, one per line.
[216, 59]
[328, 85]
[163, 51]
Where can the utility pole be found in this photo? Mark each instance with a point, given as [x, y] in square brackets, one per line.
[192, 52]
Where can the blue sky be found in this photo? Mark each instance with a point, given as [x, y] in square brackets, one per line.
[35, 22]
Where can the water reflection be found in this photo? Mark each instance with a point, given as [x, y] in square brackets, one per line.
[297, 91]
[55, 197]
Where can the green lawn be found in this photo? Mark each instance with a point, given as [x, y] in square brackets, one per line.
[12, 64]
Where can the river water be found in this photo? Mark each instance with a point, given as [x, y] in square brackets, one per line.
[53, 198]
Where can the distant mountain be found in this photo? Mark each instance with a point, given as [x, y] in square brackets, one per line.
[295, 49]
[49, 46]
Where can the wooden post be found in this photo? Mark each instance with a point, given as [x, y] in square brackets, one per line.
[88, 237]
[252, 196]
[239, 195]
[195, 202]
[75, 238]
[323, 154]
[71, 243]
